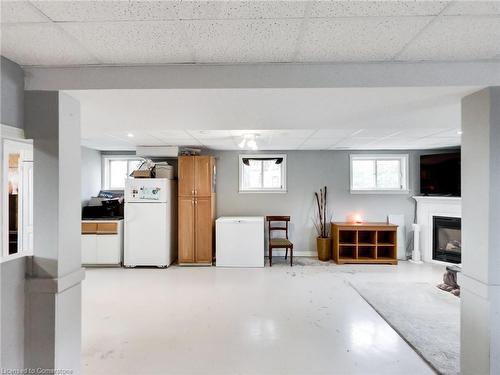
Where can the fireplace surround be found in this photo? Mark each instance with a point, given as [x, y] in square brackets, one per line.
[447, 239]
[427, 209]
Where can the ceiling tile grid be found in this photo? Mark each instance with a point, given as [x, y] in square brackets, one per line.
[155, 32]
[140, 42]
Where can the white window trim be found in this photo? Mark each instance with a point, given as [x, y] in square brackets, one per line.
[283, 189]
[10, 137]
[405, 176]
[105, 168]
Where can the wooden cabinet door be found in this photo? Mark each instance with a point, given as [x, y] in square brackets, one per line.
[203, 209]
[186, 230]
[186, 175]
[203, 176]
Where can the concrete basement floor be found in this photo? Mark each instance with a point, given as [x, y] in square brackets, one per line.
[207, 320]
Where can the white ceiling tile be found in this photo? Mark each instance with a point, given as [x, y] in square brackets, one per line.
[243, 41]
[91, 11]
[376, 8]
[355, 142]
[203, 135]
[333, 133]
[318, 144]
[461, 8]
[420, 132]
[449, 133]
[41, 44]
[107, 143]
[457, 38]
[261, 9]
[378, 132]
[220, 142]
[132, 42]
[20, 11]
[174, 133]
[358, 39]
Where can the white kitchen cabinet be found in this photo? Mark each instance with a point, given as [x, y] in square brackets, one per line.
[102, 242]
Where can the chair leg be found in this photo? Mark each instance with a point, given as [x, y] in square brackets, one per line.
[286, 252]
[291, 256]
[270, 256]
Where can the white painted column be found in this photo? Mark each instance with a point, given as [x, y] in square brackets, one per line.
[480, 280]
[53, 289]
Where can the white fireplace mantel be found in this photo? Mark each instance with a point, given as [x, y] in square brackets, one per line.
[427, 208]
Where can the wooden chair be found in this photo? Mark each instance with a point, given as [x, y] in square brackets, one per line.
[279, 243]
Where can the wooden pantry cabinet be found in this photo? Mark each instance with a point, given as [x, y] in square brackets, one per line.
[196, 209]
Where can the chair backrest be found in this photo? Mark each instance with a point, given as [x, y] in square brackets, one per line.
[271, 219]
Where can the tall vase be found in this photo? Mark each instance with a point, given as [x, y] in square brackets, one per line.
[324, 247]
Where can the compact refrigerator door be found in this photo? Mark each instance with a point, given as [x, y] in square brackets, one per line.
[147, 190]
[147, 240]
[240, 241]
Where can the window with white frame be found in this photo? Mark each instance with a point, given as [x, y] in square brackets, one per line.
[262, 173]
[380, 173]
[117, 169]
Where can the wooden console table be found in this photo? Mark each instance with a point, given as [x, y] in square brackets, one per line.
[364, 243]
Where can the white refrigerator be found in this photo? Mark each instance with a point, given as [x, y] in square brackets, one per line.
[150, 223]
[239, 241]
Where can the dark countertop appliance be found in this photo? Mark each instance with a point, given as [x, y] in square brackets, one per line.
[108, 205]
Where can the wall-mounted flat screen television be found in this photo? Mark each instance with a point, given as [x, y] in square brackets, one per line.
[440, 174]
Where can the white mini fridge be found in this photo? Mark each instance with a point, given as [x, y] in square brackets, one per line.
[150, 224]
[239, 241]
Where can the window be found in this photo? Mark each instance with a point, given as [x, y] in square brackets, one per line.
[379, 173]
[262, 173]
[117, 169]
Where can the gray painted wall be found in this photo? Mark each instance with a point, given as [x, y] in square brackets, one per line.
[91, 173]
[12, 272]
[12, 93]
[12, 313]
[308, 171]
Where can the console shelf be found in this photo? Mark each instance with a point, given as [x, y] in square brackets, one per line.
[371, 243]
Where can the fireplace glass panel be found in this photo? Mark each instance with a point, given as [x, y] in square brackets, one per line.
[447, 239]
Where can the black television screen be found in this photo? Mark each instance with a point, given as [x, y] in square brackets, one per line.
[440, 174]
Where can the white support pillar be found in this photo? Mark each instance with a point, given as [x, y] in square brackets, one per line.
[53, 288]
[480, 280]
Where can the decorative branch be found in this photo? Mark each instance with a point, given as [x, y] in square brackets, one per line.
[321, 201]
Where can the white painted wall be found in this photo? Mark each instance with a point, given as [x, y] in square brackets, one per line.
[12, 272]
[480, 279]
[12, 313]
[91, 173]
[53, 320]
[307, 172]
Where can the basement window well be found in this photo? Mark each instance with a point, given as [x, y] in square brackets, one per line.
[262, 173]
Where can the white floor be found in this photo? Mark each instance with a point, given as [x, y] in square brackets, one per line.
[279, 320]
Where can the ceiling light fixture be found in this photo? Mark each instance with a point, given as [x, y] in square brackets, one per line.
[249, 140]
[459, 132]
[130, 135]
[252, 144]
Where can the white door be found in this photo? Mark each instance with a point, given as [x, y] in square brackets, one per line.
[145, 234]
[108, 249]
[89, 249]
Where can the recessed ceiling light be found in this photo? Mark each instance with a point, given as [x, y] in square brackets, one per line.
[130, 135]
[459, 132]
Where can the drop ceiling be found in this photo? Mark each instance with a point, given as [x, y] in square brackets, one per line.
[282, 119]
[61, 33]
